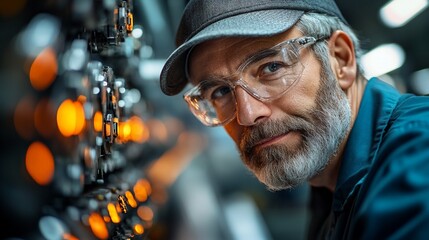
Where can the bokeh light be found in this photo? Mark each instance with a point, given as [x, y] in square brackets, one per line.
[98, 226]
[39, 163]
[70, 118]
[44, 69]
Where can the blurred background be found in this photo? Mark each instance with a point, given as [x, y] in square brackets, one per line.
[91, 148]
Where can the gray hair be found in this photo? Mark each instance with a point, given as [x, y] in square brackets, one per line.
[320, 25]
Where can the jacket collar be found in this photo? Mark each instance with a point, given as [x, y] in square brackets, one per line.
[379, 100]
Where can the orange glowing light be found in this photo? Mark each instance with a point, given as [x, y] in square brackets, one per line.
[70, 118]
[66, 118]
[145, 213]
[81, 99]
[118, 207]
[98, 121]
[124, 131]
[139, 131]
[39, 163]
[107, 128]
[138, 229]
[44, 69]
[80, 117]
[98, 226]
[146, 185]
[113, 213]
[131, 201]
[106, 219]
[68, 236]
[23, 118]
[130, 22]
[140, 190]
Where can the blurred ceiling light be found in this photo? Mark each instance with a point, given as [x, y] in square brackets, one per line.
[389, 80]
[420, 81]
[397, 13]
[382, 59]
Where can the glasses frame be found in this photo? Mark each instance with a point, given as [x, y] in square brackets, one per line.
[299, 44]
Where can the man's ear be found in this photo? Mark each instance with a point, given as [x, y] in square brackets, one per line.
[343, 59]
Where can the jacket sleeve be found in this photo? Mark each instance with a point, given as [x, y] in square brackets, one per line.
[395, 205]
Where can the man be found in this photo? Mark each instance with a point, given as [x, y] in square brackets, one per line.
[283, 78]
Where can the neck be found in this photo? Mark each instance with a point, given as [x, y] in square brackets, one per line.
[328, 177]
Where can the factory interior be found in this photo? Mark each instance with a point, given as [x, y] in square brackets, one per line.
[92, 149]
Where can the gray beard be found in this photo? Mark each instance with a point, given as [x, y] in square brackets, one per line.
[280, 167]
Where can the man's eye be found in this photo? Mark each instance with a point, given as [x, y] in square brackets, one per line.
[220, 92]
[271, 67]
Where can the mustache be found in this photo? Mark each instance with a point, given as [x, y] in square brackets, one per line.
[253, 135]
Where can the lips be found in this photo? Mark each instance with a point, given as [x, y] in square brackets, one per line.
[267, 134]
[268, 141]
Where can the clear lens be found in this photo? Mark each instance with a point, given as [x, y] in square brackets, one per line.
[266, 76]
[272, 76]
[212, 102]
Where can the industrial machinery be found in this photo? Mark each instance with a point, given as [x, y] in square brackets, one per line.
[77, 138]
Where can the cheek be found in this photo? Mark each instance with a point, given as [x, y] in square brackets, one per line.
[234, 130]
[311, 76]
[301, 98]
[305, 91]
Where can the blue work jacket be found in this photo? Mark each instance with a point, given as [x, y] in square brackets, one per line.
[382, 190]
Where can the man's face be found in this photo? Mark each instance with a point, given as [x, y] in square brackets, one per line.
[289, 140]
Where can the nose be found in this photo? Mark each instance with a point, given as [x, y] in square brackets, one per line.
[249, 109]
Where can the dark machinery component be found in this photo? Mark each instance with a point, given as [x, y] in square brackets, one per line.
[96, 187]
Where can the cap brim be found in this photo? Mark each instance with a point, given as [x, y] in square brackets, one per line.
[252, 24]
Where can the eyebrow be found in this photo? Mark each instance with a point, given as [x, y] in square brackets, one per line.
[208, 84]
[254, 57]
[211, 78]
[258, 56]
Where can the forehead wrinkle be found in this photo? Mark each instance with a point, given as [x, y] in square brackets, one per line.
[220, 53]
[232, 51]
